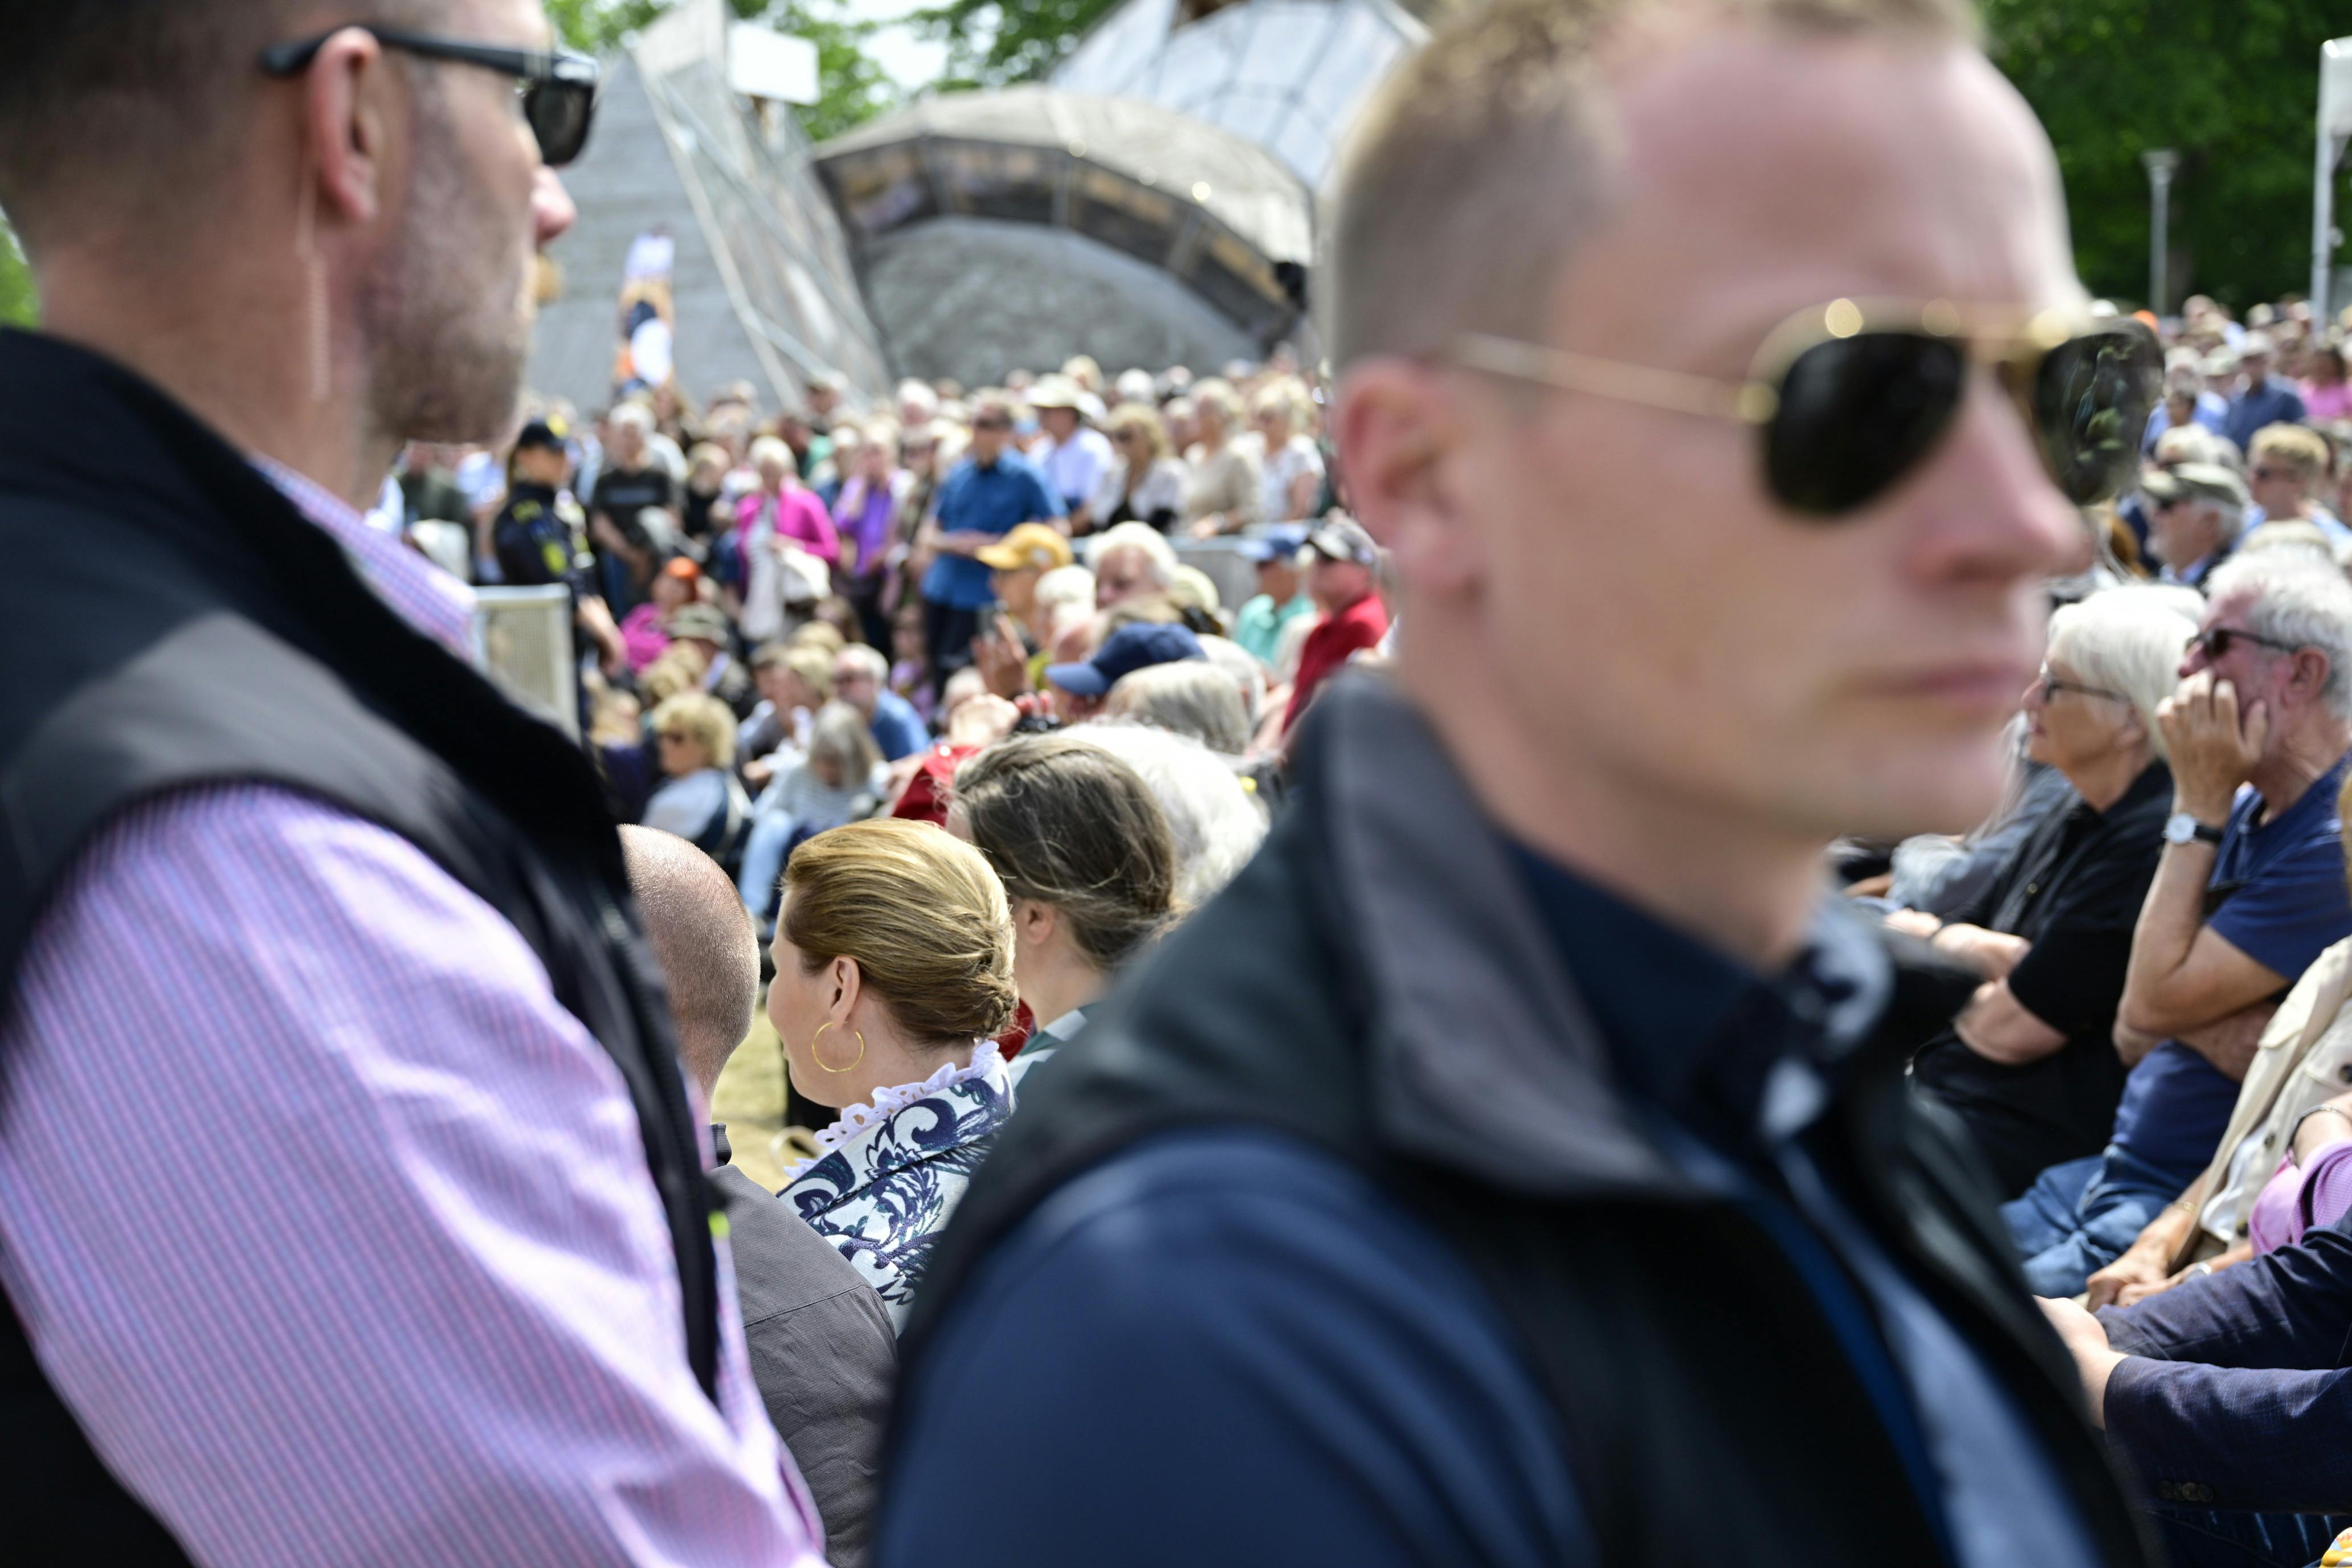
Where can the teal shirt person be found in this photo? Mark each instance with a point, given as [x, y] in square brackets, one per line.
[1258, 625]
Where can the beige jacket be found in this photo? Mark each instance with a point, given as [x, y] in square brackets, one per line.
[2305, 1058]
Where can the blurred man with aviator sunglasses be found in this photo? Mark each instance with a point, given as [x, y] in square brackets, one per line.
[410, 1257]
[1515, 1142]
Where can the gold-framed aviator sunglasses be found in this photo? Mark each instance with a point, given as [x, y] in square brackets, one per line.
[1849, 397]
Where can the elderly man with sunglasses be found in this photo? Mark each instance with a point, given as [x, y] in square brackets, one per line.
[2195, 512]
[351, 1204]
[2249, 889]
[1516, 1165]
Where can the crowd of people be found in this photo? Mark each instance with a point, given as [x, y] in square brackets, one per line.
[1745, 947]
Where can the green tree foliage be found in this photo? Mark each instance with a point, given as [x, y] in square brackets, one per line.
[993, 42]
[2233, 85]
[852, 88]
[16, 301]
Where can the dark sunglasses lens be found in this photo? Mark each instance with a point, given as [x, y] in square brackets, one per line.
[1857, 414]
[560, 114]
[2091, 403]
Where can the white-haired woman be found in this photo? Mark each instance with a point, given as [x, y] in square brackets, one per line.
[1215, 824]
[2030, 1063]
[1222, 494]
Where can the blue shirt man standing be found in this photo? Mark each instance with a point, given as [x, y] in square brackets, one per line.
[993, 491]
[2265, 401]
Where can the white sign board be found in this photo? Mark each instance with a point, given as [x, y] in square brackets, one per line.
[2335, 131]
[765, 64]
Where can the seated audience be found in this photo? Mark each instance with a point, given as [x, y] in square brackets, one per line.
[861, 678]
[1147, 484]
[1192, 697]
[2031, 1064]
[1212, 820]
[703, 630]
[694, 736]
[1291, 479]
[2249, 889]
[1086, 860]
[832, 783]
[1281, 595]
[794, 680]
[821, 1345]
[2230, 1397]
[1342, 579]
[1221, 493]
[1079, 691]
[676, 587]
[1131, 562]
[894, 975]
[2196, 511]
[2284, 469]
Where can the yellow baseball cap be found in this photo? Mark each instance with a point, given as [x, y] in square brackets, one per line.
[1031, 545]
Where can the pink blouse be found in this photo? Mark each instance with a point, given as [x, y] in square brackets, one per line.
[797, 515]
[2302, 1199]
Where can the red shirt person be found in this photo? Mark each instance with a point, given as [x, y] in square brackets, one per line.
[1340, 582]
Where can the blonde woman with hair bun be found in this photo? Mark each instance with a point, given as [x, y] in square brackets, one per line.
[894, 975]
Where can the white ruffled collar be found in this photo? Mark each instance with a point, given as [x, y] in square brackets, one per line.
[888, 1102]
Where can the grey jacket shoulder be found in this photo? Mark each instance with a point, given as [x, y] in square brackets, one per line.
[822, 1353]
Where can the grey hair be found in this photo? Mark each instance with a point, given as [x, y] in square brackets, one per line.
[840, 732]
[1189, 697]
[2299, 597]
[867, 658]
[1249, 673]
[2129, 639]
[1139, 536]
[1216, 825]
[635, 416]
[1064, 589]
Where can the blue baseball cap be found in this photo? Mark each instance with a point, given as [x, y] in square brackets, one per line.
[1274, 544]
[1125, 651]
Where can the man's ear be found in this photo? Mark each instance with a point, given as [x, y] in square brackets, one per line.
[350, 105]
[1398, 430]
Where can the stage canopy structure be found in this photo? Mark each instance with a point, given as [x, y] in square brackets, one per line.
[1289, 75]
[1010, 229]
[704, 247]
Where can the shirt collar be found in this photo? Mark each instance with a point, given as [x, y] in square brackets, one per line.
[1733, 1056]
[420, 593]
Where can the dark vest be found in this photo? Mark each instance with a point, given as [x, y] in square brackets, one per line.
[174, 621]
[1709, 1410]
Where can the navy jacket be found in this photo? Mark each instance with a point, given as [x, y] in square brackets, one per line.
[2240, 1390]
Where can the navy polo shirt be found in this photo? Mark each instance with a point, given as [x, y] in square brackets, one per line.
[993, 499]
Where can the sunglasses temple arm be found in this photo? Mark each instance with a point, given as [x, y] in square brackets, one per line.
[1645, 385]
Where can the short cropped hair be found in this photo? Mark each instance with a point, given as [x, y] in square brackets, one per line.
[121, 103]
[1497, 129]
[2302, 599]
[702, 937]
[2304, 450]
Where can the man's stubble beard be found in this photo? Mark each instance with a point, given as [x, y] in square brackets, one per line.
[447, 315]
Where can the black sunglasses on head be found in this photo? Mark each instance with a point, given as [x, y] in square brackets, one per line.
[1849, 398]
[558, 87]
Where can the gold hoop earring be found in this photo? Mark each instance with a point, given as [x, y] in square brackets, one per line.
[820, 1028]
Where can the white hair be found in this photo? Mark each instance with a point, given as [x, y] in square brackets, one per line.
[1189, 697]
[634, 415]
[1061, 591]
[1139, 536]
[1216, 825]
[1248, 672]
[867, 659]
[2129, 640]
[768, 446]
[915, 394]
[2300, 597]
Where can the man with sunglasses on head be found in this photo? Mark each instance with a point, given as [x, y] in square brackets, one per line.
[2195, 512]
[1516, 1165]
[401, 1250]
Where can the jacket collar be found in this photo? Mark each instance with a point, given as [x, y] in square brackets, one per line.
[1486, 1056]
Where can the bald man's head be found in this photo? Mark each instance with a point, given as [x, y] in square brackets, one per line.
[702, 936]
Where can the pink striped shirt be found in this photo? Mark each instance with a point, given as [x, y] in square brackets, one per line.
[332, 1226]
